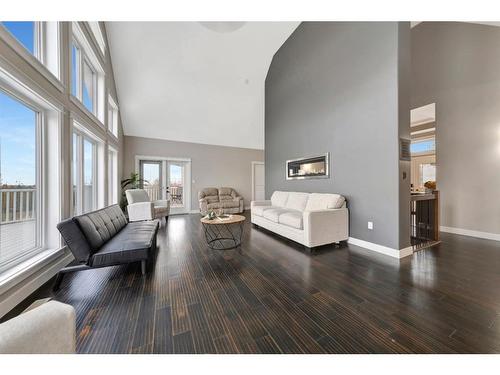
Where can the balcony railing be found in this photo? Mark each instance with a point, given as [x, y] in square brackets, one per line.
[175, 194]
[17, 205]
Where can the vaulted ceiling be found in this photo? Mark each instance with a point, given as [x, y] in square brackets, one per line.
[199, 82]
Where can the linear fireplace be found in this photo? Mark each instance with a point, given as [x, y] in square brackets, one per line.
[311, 167]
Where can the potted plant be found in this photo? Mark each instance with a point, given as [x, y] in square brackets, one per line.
[133, 182]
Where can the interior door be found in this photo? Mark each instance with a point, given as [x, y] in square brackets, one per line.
[151, 172]
[176, 182]
[259, 182]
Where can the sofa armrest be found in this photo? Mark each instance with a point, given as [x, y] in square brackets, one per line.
[203, 206]
[140, 211]
[326, 226]
[260, 203]
[46, 329]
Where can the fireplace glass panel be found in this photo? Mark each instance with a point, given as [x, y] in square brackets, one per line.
[313, 167]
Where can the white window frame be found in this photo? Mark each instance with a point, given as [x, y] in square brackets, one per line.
[83, 135]
[98, 35]
[112, 176]
[112, 117]
[48, 172]
[81, 60]
[87, 54]
[46, 57]
[39, 186]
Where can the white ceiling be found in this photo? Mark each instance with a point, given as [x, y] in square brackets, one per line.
[195, 82]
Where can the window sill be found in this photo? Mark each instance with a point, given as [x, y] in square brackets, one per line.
[17, 274]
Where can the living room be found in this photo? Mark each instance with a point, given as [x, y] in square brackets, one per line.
[248, 187]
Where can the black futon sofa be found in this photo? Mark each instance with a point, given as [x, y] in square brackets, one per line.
[104, 238]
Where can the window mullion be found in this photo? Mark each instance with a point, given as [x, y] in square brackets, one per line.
[80, 188]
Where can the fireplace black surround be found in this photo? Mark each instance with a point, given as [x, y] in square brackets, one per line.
[310, 167]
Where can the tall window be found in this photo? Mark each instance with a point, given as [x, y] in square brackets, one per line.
[84, 173]
[112, 176]
[83, 78]
[27, 33]
[20, 190]
[40, 39]
[112, 117]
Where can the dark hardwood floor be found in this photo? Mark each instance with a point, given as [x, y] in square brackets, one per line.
[272, 297]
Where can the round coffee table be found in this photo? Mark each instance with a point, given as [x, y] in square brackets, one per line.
[223, 234]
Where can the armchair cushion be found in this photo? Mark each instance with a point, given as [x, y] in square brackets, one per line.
[137, 195]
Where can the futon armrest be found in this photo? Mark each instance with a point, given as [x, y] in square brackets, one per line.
[260, 203]
[140, 211]
[49, 328]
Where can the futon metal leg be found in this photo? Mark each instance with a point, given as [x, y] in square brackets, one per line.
[143, 267]
[57, 283]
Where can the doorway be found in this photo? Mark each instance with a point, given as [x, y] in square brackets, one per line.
[167, 178]
[424, 203]
[258, 181]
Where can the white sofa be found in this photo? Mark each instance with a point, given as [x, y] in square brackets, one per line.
[311, 219]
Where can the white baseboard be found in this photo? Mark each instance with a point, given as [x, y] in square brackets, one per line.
[381, 249]
[19, 292]
[471, 233]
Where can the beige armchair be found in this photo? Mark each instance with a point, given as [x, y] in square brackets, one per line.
[44, 328]
[140, 207]
[223, 199]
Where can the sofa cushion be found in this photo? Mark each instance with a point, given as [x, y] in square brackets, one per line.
[223, 204]
[297, 201]
[131, 244]
[318, 201]
[292, 219]
[273, 214]
[259, 210]
[225, 193]
[101, 225]
[279, 198]
[210, 194]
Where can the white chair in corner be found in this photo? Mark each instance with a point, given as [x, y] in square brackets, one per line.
[141, 208]
[43, 328]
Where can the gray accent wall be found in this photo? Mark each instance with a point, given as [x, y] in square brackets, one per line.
[211, 166]
[342, 88]
[457, 66]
